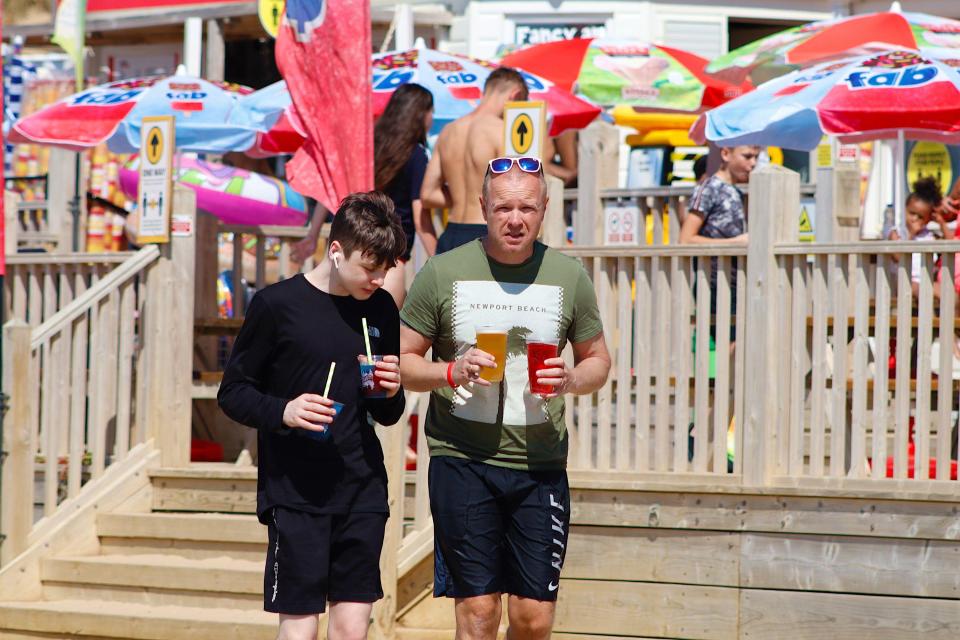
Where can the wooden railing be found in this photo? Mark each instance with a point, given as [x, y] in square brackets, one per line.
[38, 285]
[808, 394]
[669, 202]
[106, 372]
[667, 405]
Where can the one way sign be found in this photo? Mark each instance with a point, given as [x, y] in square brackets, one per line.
[524, 128]
[156, 179]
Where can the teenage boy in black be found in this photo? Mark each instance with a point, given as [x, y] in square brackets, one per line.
[322, 485]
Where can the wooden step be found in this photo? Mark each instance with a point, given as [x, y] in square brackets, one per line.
[87, 619]
[211, 487]
[158, 571]
[189, 535]
[218, 527]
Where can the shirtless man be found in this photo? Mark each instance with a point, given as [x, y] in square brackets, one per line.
[463, 150]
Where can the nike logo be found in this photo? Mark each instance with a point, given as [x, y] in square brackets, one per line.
[553, 587]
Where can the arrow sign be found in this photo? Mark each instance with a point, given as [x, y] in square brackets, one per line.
[522, 131]
[156, 174]
[524, 128]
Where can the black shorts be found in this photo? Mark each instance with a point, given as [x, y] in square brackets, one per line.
[315, 558]
[457, 234]
[497, 530]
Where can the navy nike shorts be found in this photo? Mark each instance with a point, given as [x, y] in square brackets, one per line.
[497, 530]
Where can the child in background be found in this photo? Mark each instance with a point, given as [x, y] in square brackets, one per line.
[923, 205]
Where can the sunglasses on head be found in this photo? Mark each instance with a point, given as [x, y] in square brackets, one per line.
[527, 164]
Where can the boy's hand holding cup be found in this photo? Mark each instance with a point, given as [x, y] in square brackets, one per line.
[381, 377]
[311, 412]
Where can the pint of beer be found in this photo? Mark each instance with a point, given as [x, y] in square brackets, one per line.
[493, 340]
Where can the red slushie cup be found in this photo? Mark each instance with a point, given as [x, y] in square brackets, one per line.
[538, 351]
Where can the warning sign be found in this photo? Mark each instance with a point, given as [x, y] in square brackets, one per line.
[621, 224]
[930, 159]
[524, 128]
[270, 13]
[155, 191]
[807, 213]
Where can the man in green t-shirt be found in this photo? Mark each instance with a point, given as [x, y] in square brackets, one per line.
[498, 482]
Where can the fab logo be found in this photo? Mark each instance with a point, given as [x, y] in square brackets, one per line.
[457, 78]
[391, 81]
[104, 98]
[907, 78]
[305, 17]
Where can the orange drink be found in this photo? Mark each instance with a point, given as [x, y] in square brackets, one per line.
[494, 341]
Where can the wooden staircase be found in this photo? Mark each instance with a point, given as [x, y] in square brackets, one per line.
[193, 573]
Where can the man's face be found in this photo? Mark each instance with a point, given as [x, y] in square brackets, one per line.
[514, 211]
[359, 273]
[740, 162]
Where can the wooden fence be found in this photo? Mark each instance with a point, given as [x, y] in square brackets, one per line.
[109, 369]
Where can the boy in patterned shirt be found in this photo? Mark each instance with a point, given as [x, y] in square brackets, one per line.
[717, 204]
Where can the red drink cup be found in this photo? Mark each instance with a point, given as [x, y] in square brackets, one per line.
[369, 382]
[538, 351]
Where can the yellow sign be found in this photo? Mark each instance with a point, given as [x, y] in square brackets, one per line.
[155, 189]
[930, 159]
[270, 13]
[524, 128]
[805, 226]
[521, 132]
[154, 145]
[825, 153]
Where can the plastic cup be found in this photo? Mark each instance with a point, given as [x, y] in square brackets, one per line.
[323, 436]
[539, 351]
[493, 340]
[369, 382]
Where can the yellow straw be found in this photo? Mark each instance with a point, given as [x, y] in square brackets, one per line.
[366, 341]
[326, 389]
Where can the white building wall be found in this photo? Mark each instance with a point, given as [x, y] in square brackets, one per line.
[697, 26]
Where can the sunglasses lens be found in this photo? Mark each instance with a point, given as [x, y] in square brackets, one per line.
[530, 165]
[501, 165]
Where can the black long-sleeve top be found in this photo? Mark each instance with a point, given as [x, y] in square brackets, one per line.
[291, 334]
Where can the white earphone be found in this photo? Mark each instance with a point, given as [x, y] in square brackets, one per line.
[336, 260]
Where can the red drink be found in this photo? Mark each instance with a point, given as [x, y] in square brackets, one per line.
[537, 352]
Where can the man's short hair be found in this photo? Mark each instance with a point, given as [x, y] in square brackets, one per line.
[490, 175]
[367, 222]
[504, 77]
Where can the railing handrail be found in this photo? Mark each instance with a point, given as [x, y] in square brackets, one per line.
[40, 258]
[131, 267]
[872, 247]
[667, 250]
[808, 189]
[269, 230]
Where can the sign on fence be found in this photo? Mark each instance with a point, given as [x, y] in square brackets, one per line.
[621, 224]
[155, 196]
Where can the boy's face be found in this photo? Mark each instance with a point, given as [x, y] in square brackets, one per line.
[740, 161]
[359, 273]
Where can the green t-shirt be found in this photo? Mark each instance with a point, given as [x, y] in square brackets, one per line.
[548, 295]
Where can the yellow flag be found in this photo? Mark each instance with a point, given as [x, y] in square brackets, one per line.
[69, 32]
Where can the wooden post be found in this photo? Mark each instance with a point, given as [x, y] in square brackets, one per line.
[837, 216]
[169, 340]
[216, 54]
[61, 188]
[385, 610]
[11, 222]
[16, 503]
[599, 162]
[553, 233]
[773, 212]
